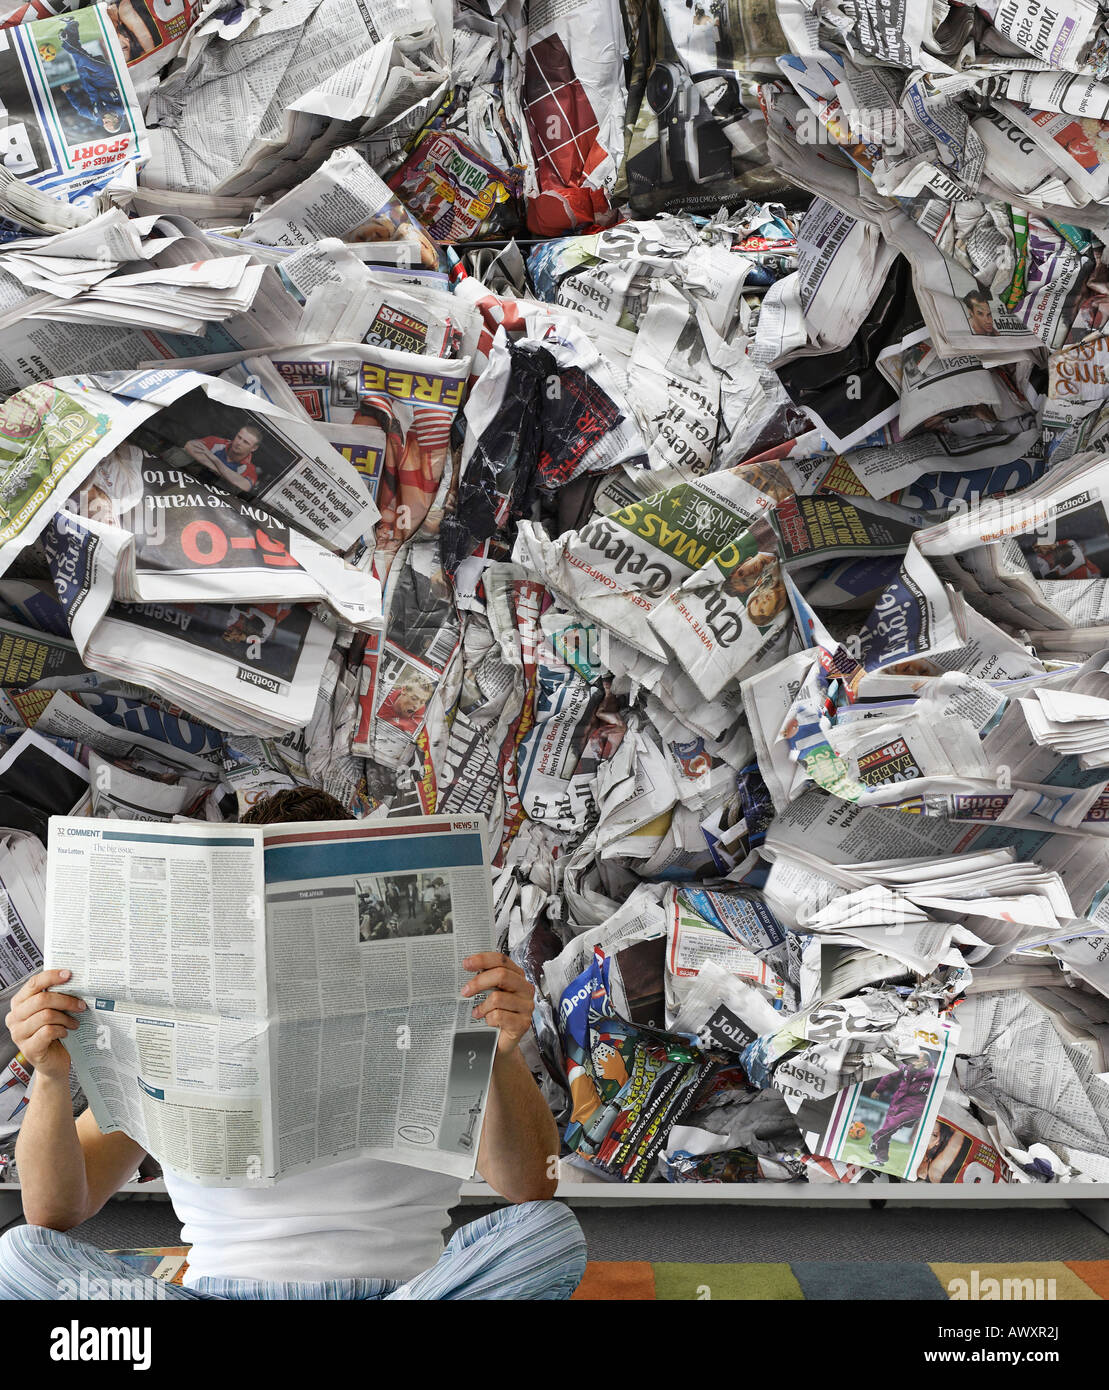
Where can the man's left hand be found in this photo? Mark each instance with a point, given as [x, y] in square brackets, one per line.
[510, 1004]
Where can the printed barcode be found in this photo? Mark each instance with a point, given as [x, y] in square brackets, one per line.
[933, 217]
[438, 654]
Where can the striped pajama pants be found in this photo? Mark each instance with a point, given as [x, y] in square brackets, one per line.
[532, 1251]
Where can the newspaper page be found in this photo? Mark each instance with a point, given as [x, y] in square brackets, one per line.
[862, 1121]
[250, 667]
[164, 933]
[206, 426]
[179, 748]
[258, 88]
[52, 435]
[619, 568]
[392, 910]
[72, 124]
[22, 876]
[691, 141]
[264, 1001]
[55, 433]
[199, 540]
[149, 31]
[1036, 558]
[344, 198]
[392, 411]
[1021, 1068]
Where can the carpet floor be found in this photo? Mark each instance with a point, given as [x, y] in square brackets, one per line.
[870, 1280]
[763, 1238]
[608, 1281]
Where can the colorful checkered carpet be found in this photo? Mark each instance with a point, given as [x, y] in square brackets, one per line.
[613, 1280]
[848, 1279]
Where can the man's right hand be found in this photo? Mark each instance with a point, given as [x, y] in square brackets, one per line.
[200, 453]
[39, 1018]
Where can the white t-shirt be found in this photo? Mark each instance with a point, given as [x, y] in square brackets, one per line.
[359, 1218]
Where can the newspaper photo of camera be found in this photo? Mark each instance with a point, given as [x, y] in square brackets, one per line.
[691, 144]
[692, 116]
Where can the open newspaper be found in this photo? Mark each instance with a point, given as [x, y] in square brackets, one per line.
[264, 1000]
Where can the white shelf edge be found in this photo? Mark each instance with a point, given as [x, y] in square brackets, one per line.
[636, 1194]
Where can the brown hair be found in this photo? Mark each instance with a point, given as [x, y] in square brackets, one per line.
[295, 804]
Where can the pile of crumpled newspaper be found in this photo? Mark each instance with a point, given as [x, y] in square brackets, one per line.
[674, 431]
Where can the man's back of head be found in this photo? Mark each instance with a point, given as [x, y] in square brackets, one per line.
[295, 804]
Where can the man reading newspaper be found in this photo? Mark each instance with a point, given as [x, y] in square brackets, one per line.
[359, 1229]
